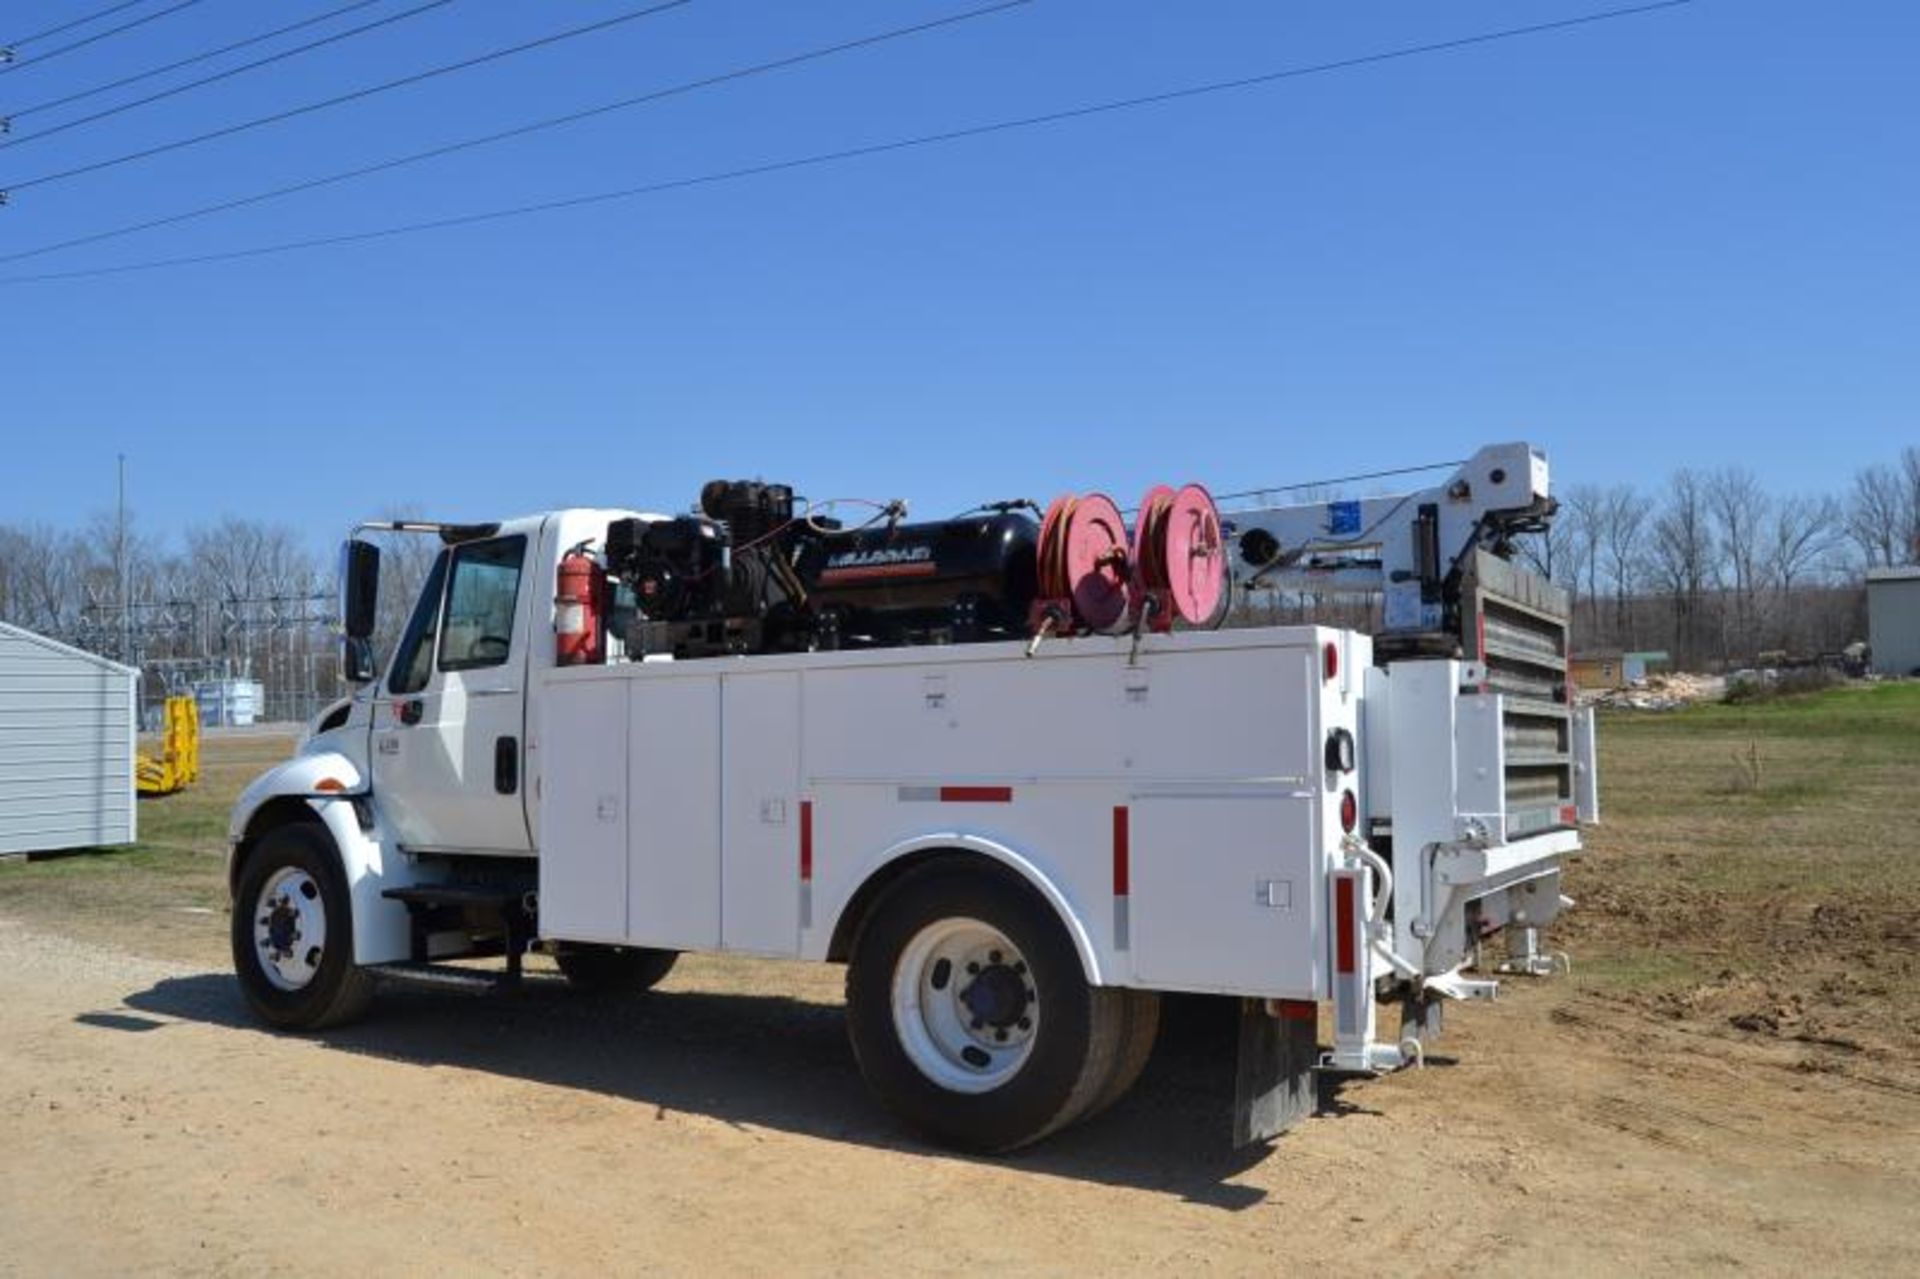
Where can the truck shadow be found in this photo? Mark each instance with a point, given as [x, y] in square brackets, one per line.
[779, 1063]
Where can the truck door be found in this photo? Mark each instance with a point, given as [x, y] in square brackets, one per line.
[448, 739]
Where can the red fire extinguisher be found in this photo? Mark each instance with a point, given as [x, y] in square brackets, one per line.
[579, 638]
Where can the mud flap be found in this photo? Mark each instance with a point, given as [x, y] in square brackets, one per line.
[1274, 1083]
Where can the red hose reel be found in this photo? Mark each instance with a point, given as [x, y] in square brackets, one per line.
[1096, 578]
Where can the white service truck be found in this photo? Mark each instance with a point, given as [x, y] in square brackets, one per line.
[934, 754]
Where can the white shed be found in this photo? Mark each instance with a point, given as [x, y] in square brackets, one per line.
[1893, 619]
[67, 723]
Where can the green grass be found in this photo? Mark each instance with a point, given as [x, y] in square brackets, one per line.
[1734, 835]
[1884, 715]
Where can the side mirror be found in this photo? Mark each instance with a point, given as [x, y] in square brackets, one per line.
[359, 589]
[356, 659]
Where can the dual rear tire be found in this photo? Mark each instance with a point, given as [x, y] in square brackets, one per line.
[971, 1017]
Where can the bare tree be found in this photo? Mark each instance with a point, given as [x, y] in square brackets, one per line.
[1803, 532]
[1583, 510]
[1682, 557]
[1877, 517]
[1910, 485]
[1622, 539]
[1738, 507]
[45, 570]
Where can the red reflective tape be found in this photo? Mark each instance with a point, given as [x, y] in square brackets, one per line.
[1343, 956]
[806, 841]
[976, 794]
[1569, 815]
[1297, 1010]
[1122, 850]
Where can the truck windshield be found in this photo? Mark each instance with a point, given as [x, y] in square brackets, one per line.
[413, 660]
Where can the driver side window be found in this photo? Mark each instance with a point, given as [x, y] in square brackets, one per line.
[477, 629]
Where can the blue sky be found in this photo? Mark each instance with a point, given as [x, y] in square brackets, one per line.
[1681, 238]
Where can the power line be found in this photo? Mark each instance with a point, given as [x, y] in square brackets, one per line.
[357, 94]
[71, 23]
[450, 148]
[860, 152]
[97, 37]
[237, 45]
[230, 72]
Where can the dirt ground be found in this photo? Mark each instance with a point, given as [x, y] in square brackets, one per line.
[1725, 1083]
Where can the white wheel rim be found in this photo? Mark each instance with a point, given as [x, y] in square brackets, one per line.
[290, 928]
[965, 1005]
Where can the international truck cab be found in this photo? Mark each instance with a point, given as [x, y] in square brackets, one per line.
[1009, 770]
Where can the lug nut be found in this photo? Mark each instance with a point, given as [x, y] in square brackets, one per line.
[993, 956]
[1000, 1035]
[973, 968]
[978, 1024]
[1025, 1023]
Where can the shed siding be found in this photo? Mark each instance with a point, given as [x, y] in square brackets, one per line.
[66, 747]
[1893, 622]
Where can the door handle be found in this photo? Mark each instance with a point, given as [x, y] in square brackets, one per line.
[506, 765]
[493, 692]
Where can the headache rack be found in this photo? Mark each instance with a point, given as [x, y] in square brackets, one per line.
[1514, 624]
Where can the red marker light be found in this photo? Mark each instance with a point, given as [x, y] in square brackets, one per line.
[1330, 660]
[1349, 811]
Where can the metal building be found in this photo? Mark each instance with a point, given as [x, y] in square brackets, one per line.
[1893, 619]
[67, 723]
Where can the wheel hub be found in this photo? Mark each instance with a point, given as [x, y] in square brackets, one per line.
[998, 996]
[965, 1006]
[290, 928]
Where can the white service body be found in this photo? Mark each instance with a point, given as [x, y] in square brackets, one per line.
[1173, 809]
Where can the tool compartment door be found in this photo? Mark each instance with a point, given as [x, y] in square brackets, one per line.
[583, 816]
[673, 823]
[1226, 892]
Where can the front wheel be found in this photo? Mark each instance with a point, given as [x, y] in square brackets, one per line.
[293, 932]
[970, 1015]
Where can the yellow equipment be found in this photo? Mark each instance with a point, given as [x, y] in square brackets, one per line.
[179, 764]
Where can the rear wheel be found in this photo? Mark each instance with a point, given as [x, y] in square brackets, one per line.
[613, 969]
[970, 1015]
[292, 932]
[1141, 1019]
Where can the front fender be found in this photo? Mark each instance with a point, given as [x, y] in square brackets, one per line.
[327, 783]
[962, 841]
[321, 775]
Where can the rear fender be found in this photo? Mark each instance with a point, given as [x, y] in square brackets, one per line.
[957, 842]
